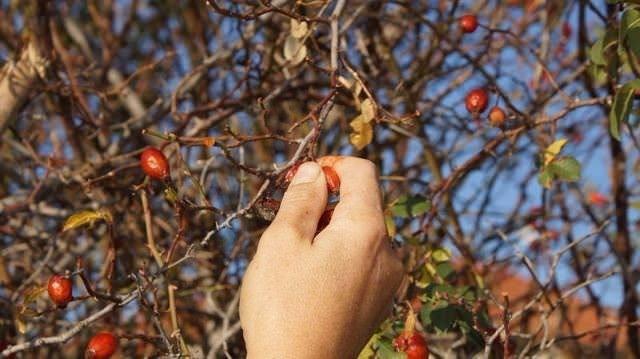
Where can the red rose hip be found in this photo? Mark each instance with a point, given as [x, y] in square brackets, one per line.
[333, 181]
[154, 163]
[477, 100]
[496, 117]
[468, 23]
[59, 289]
[291, 173]
[101, 346]
[412, 344]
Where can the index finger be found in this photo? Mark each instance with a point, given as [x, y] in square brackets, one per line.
[360, 198]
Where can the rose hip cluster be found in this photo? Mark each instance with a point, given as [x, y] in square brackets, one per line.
[101, 345]
[477, 100]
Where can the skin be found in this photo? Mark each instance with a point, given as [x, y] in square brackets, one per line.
[321, 296]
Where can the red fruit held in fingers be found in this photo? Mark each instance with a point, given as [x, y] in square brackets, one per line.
[333, 181]
[477, 100]
[154, 163]
[101, 346]
[59, 289]
[412, 344]
[497, 117]
[468, 23]
[291, 173]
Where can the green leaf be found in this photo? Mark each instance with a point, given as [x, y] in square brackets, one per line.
[621, 107]
[630, 20]
[633, 40]
[565, 169]
[443, 318]
[474, 337]
[406, 206]
[425, 314]
[545, 178]
[596, 53]
[386, 351]
[444, 270]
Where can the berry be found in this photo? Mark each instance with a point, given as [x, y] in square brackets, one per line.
[59, 289]
[4, 345]
[412, 344]
[333, 181]
[496, 117]
[598, 199]
[477, 100]
[101, 346]
[566, 30]
[154, 163]
[291, 173]
[468, 23]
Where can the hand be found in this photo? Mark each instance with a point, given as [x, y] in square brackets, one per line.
[322, 296]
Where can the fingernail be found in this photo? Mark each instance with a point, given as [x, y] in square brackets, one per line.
[307, 172]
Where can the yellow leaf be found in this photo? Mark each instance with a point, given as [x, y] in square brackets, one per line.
[362, 133]
[368, 351]
[33, 293]
[440, 255]
[553, 149]
[20, 325]
[86, 217]
[298, 29]
[368, 109]
[390, 224]
[294, 50]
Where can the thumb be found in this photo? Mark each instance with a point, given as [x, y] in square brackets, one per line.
[304, 201]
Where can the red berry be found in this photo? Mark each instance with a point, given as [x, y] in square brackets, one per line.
[101, 346]
[154, 163]
[412, 344]
[477, 100]
[4, 345]
[333, 181]
[566, 30]
[59, 288]
[598, 199]
[291, 173]
[468, 23]
[496, 117]
[324, 219]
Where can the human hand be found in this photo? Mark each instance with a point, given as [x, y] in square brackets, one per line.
[321, 296]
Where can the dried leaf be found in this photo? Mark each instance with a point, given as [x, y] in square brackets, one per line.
[294, 50]
[86, 217]
[299, 28]
[357, 89]
[368, 109]
[362, 133]
[33, 293]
